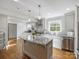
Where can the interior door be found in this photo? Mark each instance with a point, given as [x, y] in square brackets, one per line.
[12, 29]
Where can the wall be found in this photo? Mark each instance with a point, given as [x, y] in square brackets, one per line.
[67, 21]
[57, 41]
[4, 26]
[60, 18]
[21, 25]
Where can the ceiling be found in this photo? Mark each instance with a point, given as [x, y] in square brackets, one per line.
[49, 8]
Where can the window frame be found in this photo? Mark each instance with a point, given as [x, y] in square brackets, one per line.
[55, 22]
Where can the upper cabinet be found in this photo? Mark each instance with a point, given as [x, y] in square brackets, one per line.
[69, 21]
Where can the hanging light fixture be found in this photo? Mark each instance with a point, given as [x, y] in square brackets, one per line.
[29, 19]
[39, 17]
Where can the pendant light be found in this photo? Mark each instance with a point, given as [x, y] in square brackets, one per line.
[29, 19]
[39, 17]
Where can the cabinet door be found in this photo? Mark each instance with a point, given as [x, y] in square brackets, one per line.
[71, 45]
[69, 21]
[65, 44]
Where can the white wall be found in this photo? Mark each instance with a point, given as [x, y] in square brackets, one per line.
[4, 26]
[21, 25]
[60, 18]
[57, 41]
[67, 21]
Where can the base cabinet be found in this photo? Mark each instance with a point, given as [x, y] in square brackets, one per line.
[38, 51]
[68, 43]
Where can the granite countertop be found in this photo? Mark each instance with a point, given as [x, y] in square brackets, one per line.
[43, 39]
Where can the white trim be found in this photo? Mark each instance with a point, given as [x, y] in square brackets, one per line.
[75, 53]
[59, 22]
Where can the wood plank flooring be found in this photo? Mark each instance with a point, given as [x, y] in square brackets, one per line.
[60, 54]
[11, 53]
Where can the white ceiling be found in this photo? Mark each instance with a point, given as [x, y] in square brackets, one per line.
[49, 8]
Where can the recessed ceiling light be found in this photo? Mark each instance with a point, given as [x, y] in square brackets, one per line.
[16, 0]
[68, 9]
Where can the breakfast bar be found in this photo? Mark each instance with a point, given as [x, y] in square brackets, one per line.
[39, 47]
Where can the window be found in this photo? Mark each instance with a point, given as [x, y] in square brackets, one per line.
[55, 26]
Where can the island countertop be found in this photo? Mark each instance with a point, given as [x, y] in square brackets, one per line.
[43, 39]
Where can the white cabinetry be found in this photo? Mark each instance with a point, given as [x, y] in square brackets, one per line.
[69, 21]
[57, 42]
[2, 40]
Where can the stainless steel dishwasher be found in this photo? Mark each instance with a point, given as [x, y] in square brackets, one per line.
[68, 43]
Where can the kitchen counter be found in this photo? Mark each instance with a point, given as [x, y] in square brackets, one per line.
[42, 39]
[67, 37]
[39, 47]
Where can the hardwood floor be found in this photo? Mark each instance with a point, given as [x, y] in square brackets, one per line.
[60, 54]
[11, 53]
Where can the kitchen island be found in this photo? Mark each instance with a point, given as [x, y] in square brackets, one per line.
[39, 47]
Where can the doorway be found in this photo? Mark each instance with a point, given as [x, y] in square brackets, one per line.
[12, 31]
[12, 34]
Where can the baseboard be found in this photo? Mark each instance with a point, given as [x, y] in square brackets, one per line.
[68, 50]
[57, 48]
[12, 38]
